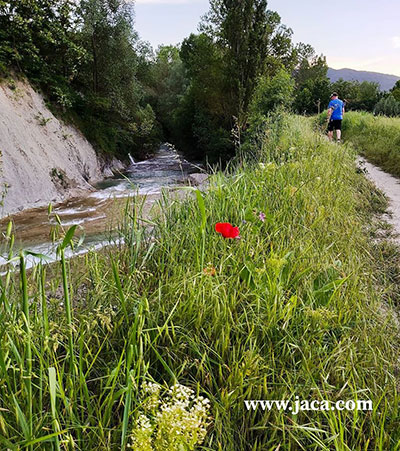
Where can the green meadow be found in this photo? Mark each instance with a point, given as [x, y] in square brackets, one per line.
[300, 305]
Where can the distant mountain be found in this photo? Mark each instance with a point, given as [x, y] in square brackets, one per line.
[385, 81]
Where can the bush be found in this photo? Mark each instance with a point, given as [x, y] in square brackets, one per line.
[388, 106]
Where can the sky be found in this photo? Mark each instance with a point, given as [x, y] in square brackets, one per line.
[362, 35]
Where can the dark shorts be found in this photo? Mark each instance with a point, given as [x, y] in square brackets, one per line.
[335, 124]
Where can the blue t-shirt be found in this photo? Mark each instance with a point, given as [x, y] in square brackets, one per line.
[337, 107]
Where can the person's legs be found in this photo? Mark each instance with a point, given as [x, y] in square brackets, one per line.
[338, 126]
[330, 130]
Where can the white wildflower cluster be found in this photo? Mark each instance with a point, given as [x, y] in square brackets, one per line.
[151, 392]
[142, 435]
[151, 387]
[178, 420]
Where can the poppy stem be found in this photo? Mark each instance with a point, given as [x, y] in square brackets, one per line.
[203, 245]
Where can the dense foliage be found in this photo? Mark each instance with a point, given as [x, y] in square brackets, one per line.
[86, 57]
[395, 91]
[388, 106]
[312, 83]
[204, 95]
[358, 96]
[239, 43]
[89, 61]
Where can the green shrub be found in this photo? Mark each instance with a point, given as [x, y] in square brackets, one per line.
[388, 106]
[273, 93]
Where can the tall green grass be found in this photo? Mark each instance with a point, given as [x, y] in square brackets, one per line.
[295, 307]
[376, 137]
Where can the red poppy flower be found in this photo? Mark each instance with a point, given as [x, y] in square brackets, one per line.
[227, 230]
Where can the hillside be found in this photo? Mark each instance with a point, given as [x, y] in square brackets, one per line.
[385, 81]
[42, 160]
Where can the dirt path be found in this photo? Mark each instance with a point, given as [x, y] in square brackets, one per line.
[391, 187]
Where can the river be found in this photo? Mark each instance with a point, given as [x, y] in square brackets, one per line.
[98, 214]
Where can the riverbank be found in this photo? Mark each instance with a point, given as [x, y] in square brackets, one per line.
[98, 214]
[292, 308]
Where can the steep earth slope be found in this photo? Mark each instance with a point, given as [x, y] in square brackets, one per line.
[42, 160]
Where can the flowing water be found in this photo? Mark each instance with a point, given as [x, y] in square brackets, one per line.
[97, 215]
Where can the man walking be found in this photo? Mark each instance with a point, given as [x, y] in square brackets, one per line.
[335, 117]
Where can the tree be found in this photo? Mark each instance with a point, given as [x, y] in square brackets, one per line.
[368, 96]
[165, 85]
[388, 106]
[112, 108]
[272, 93]
[37, 38]
[358, 96]
[395, 91]
[203, 116]
[312, 83]
[348, 91]
[240, 44]
[109, 39]
[254, 44]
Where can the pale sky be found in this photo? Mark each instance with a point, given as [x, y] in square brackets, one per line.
[358, 34]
